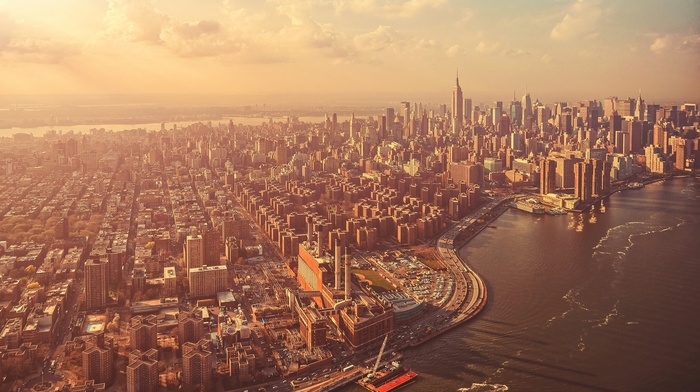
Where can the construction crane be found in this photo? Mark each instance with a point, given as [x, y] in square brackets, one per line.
[379, 357]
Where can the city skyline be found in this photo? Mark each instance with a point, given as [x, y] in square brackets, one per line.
[560, 50]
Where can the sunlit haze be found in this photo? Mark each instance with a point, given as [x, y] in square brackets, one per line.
[395, 49]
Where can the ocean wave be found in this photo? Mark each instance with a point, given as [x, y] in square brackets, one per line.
[485, 387]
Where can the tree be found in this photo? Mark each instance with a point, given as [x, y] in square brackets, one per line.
[16, 368]
[30, 270]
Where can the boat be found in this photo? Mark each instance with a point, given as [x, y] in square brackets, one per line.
[556, 211]
[529, 207]
[635, 185]
[390, 378]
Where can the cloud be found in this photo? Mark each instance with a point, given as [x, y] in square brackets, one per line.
[284, 32]
[454, 51]
[307, 33]
[485, 47]
[37, 50]
[546, 58]
[467, 15]
[580, 19]
[660, 44]
[675, 42]
[17, 47]
[135, 20]
[381, 38]
[515, 52]
[389, 9]
[140, 22]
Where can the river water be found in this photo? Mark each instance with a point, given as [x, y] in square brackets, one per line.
[608, 300]
[151, 126]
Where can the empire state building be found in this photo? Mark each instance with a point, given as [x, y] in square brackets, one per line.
[457, 109]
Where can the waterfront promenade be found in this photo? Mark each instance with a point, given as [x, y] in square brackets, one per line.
[471, 294]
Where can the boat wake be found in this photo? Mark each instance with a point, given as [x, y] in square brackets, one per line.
[574, 304]
[484, 387]
[612, 249]
[612, 314]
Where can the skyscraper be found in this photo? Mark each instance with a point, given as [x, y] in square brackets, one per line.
[639, 108]
[353, 135]
[197, 365]
[583, 181]
[143, 334]
[526, 107]
[457, 109]
[194, 252]
[190, 327]
[548, 176]
[516, 112]
[142, 371]
[468, 110]
[95, 284]
[406, 112]
[207, 280]
[390, 119]
[98, 360]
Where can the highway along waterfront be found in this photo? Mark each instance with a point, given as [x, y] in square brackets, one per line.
[605, 300]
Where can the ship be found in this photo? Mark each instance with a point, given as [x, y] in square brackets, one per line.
[529, 207]
[390, 378]
[635, 185]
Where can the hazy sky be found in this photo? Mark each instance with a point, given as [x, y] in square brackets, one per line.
[560, 49]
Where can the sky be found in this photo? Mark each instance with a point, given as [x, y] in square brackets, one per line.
[404, 49]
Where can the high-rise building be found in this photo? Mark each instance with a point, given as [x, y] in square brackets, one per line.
[206, 281]
[470, 173]
[625, 107]
[143, 333]
[503, 125]
[639, 110]
[496, 112]
[565, 172]
[227, 229]
[468, 110]
[406, 112]
[457, 108]
[622, 142]
[390, 119]
[197, 365]
[681, 153]
[142, 371]
[62, 229]
[190, 327]
[527, 108]
[634, 129]
[548, 176]
[194, 252]
[98, 360]
[96, 284]
[583, 181]
[212, 247]
[516, 112]
[241, 362]
[597, 188]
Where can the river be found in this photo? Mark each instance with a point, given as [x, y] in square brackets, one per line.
[606, 300]
[151, 126]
